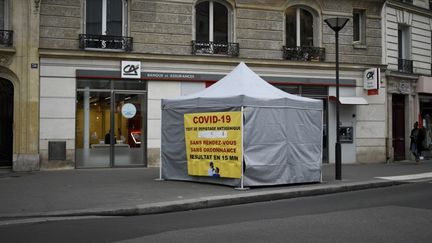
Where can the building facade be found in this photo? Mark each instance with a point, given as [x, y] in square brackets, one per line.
[98, 56]
[407, 50]
[19, 84]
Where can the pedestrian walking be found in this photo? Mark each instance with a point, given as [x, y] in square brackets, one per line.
[413, 142]
[416, 145]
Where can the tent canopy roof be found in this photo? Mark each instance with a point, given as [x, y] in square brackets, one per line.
[247, 86]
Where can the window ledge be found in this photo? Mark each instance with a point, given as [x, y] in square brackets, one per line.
[359, 46]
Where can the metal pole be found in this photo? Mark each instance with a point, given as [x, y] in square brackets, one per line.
[112, 126]
[160, 152]
[242, 174]
[338, 145]
[242, 154]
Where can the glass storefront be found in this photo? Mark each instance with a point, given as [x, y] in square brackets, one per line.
[111, 123]
[425, 103]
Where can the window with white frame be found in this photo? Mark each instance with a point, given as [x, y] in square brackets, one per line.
[213, 22]
[106, 17]
[2, 15]
[404, 49]
[359, 26]
[403, 42]
[299, 27]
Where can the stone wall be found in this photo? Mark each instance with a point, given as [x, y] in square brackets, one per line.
[260, 33]
[60, 24]
[161, 27]
[167, 27]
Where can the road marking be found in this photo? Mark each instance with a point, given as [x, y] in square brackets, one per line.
[407, 177]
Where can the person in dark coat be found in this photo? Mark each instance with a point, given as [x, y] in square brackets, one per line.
[417, 136]
[413, 142]
[420, 139]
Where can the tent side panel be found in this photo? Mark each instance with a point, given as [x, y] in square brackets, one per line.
[173, 151]
[282, 146]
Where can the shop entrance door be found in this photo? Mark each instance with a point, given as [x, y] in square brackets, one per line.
[6, 121]
[398, 124]
[111, 128]
[130, 129]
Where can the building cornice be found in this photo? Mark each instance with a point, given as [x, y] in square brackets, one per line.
[7, 50]
[410, 7]
[210, 60]
[396, 74]
[259, 7]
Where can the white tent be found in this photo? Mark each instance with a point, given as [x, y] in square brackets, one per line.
[282, 133]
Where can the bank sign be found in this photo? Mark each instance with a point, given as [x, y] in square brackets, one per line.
[130, 69]
[213, 144]
[371, 79]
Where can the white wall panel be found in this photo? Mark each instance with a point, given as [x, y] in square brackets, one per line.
[57, 87]
[57, 128]
[154, 129]
[57, 108]
[154, 109]
[163, 90]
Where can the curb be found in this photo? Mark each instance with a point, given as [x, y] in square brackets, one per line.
[201, 203]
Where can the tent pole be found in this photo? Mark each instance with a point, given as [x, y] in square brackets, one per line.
[242, 155]
[322, 144]
[160, 154]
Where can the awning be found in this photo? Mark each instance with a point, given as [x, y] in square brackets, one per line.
[353, 101]
[350, 100]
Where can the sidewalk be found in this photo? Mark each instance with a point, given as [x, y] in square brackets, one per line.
[132, 191]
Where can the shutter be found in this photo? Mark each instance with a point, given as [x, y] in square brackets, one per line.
[314, 91]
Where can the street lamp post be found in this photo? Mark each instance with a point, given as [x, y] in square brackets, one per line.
[336, 24]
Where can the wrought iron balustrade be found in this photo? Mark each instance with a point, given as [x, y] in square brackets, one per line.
[213, 48]
[6, 37]
[304, 53]
[105, 42]
[406, 1]
[405, 65]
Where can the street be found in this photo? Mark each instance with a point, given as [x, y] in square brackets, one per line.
[391, 214]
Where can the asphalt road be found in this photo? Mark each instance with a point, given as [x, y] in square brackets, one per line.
[392, 214]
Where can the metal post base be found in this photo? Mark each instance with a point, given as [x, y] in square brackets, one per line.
[242, 188]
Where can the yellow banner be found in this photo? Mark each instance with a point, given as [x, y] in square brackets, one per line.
[213, 144]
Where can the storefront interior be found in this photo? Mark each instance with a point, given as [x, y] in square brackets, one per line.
[111, 126]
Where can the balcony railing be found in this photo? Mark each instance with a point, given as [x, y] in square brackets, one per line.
[212, 48]
[406, 1]
[304, 53]
[105, 42]
[405, 65]
[6, 37]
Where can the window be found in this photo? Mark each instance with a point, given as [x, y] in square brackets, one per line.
[6, 36]
[299, 27]
[302, 35]
[213, 22]
[105, 26]
[403, 42]
[106, 17]
[213, 29]
[404, 46]
[359, 26]
[2, 14]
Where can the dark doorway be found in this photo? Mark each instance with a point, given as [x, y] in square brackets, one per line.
[398, 126]
[6, 121]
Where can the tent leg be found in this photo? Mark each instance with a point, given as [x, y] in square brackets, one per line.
[160, 156]
[160, 172]
[242, 188]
